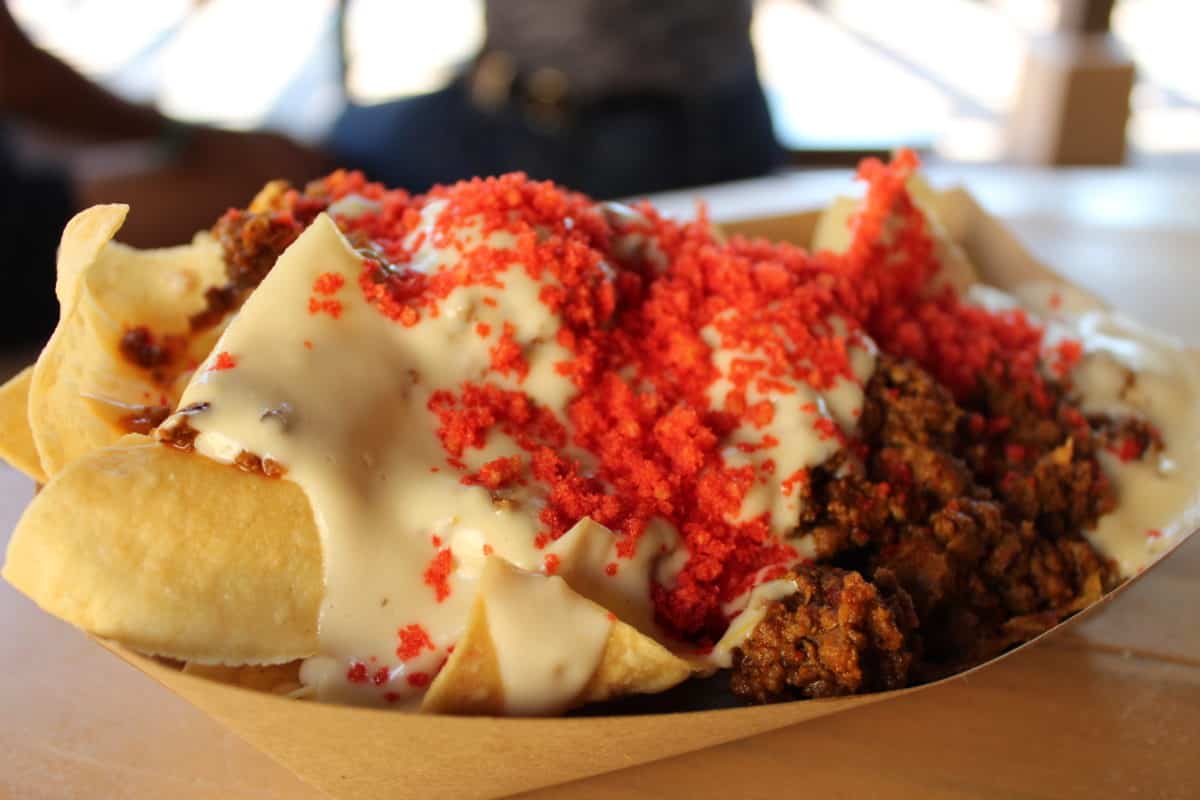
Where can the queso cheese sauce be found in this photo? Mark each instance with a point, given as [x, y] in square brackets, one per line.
[608, 400]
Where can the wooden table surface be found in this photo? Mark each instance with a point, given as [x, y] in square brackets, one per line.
[1110, 709]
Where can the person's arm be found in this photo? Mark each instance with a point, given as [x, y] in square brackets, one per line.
[38, 87]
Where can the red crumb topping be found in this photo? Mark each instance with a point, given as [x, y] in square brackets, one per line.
[610, 569]
[357, 673]
[308, 345]
[1153, 533]
[507, 356]
[551, 563]
[391, 697]
[1129, 450]
[790, 483]
[328, 283]
[437, 574]
[1066, 356]
[496, 474]
[223, 361]
[331, 307]
[380, 677]
[324, 286]
[413, 639]
[642, 438]
[488, 550]
[418, 679]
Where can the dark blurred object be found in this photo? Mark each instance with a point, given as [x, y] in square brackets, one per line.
[185, 178]
[611, 97]
[201, 173]
[34, 203]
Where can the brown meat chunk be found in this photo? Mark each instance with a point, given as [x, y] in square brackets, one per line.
[140, 347]
[1042, 461]
[971, 570]
[908, 430]
[837, 634]
[911, 424]
[976, 511]
[842, 509]
[904, 404]
[1062, 493]
[252, 243]
[252, 240]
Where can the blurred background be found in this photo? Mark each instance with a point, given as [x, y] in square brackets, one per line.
[185, 107]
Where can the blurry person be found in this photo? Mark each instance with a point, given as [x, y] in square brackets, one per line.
[188, 176]
[611, 97]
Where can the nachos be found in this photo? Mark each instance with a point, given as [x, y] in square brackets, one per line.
[501, 449]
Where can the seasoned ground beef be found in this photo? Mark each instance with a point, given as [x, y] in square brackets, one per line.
[182, 436]
[970, 512]
[1128, 438]
[156, 355]
[144, 419]
[837, 634]
[970, 570]
[252, 240]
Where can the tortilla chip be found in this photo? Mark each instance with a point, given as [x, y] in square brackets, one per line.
[173, 555]
[633, 664]
[833, 232]
[81, 386]
[16, 437]
[160, 288]
[471, 683]
[269, 196]
[274, 678]
[85, 234]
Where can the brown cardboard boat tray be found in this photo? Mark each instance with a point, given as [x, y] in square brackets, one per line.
[367, 753]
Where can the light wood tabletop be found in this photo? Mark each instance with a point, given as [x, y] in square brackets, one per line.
[1111, 708]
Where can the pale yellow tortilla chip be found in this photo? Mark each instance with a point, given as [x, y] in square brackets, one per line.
[470, 682]
[268, 196]
[174, 555]
[16, 437]
[81, 385]
[85, 234]
[273, 678]
[833, 232]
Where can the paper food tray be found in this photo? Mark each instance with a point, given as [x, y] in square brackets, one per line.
[368, 753]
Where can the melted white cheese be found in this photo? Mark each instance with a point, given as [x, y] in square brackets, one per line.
[588, 553]
[353, 429]
[750, 608]
[357, 436]
[548, 638]
[800, 441]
